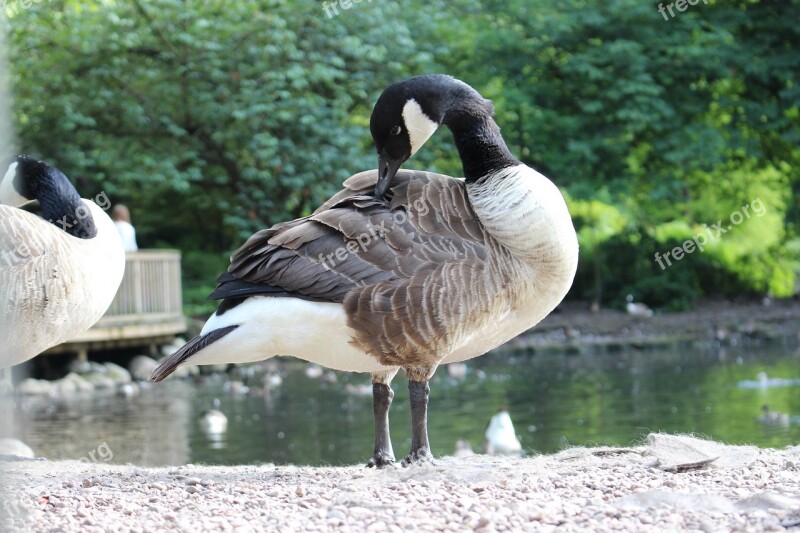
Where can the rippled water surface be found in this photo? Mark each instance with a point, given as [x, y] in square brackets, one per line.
[555, 400]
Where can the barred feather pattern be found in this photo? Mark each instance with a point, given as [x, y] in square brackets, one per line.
[53, 286]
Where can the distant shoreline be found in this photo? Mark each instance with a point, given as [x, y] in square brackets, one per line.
[572, 326]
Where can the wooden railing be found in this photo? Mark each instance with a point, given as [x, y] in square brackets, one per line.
[147, 310]
[150, 287]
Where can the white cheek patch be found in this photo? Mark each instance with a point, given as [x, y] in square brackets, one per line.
[419, 126]
[9, 195]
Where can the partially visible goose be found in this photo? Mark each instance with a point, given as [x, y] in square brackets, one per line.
[401, 269]
[636, 308]
[58, 272]
[774, 417]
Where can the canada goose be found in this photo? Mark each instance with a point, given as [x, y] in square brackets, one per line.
[774, 417]
[637, 309]
[58, 272]
[501, 439]
[401, 269]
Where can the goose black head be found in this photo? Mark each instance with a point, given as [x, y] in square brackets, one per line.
[28, 179]
[404, 117]
[409, 112]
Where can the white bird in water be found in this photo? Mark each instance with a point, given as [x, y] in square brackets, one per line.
[501, 439]
[763, 381]
[213, 422]
[637, 309]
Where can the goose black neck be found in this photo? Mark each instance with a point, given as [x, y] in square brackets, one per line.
[62, 205]
[477, 136]
[481, 147]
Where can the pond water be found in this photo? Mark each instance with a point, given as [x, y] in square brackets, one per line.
[555, 400]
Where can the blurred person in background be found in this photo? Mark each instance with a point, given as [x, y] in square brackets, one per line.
[122, 220]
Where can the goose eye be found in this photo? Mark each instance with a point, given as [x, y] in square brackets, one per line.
[396, 130]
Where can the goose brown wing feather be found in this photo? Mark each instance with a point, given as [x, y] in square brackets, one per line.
[397, 265]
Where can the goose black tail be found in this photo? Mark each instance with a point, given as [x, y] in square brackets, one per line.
[172, 362]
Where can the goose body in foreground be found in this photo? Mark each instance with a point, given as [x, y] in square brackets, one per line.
[401, 269]
[58, 272]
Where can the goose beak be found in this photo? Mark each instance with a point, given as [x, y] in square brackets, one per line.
[387, 168]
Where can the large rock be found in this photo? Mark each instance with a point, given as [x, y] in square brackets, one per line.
[80, 384]
[72, 384]
[141, 367]
[174, 346]
[118, 374]
[34, 387]
[100, 381]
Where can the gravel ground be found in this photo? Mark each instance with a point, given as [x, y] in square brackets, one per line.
[668, 483]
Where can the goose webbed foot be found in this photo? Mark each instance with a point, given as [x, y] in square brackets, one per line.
[419, 457]
[381, 459]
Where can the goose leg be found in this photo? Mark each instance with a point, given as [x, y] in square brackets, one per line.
[418, 393]
[382, 395]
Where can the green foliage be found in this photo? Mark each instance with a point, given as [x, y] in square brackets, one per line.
[674, 123]
[216, 118]
[200, 269]
[212, 120]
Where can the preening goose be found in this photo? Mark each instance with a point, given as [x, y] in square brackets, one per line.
[401, 269]
[58, 272]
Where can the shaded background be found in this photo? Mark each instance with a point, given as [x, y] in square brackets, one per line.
[212, 120]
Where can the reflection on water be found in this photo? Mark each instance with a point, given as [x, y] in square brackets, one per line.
[554, 400]
[148, 428]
